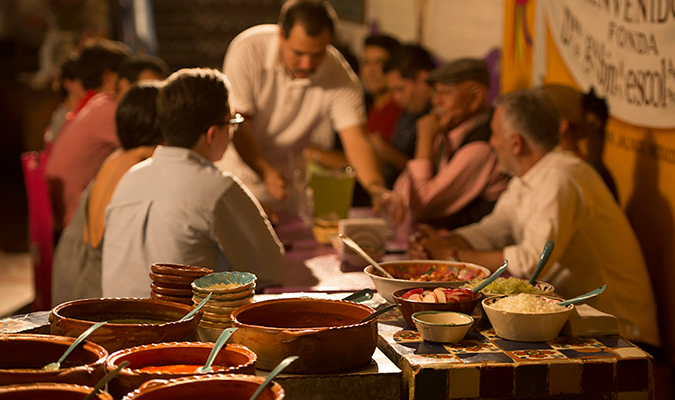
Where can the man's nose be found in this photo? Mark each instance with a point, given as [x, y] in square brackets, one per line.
[306, 62]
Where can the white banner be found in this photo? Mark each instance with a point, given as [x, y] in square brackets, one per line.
[625, 49]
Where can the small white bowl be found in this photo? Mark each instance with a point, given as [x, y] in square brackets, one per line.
[442, 326]
[527, 327]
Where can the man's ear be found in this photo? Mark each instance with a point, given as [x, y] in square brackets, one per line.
[422, 76]
[210, 134]
[516, 144]
[478, 96]
[564, 127]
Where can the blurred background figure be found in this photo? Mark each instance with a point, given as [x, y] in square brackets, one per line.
[583, 117]
[140, 68]
[77, 257]
[70, 89]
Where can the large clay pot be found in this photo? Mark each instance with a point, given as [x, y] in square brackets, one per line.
[325, 334]
[231, 387]
[131, 321]
[51, 391]
[232, 358]
[22, 357]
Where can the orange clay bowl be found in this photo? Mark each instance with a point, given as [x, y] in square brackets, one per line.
[232, 358]
[51, 391]
[175, 299]
[230, 386]
[325, 334]
[131, 321]
[188, 271]
[23, 356]
[409, 307]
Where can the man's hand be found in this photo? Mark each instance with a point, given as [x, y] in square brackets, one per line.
[276, 184]
[426, 243]
[389, 206]
[428, 126]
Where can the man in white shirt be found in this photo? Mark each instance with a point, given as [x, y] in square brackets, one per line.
[554, 195]
[286, 79]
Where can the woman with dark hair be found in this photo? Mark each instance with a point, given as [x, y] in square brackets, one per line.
[77, 258]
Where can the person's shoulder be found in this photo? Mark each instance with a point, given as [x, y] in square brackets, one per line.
[258, 33]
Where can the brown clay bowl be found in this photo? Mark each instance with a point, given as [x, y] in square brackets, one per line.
[232, 358]
[23, 356]
[189, 271]
[179, 282]
[131, 321]
[231, 387]
[325, 334]
[51, 391]
[409, 307]
[185, 291]
[175, 299]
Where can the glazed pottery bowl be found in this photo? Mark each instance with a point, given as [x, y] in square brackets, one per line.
[442, 326]
[408, 307]
[130, 321]
[174, 360]
[52, 391]
[189, 271]
[327, 335]
[23, 356]
[224, 282]
[420, 273]
[527, 326]
[231, 387]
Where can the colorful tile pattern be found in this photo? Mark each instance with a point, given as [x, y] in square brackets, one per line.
[484, 365]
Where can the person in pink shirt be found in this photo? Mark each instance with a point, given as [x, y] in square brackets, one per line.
[86, 140]
[454, 178]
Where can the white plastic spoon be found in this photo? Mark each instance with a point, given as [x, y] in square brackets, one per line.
[56, 365]
[222, 339]
[355, 246]
[583, 297]
[491, 278]
[282, 365]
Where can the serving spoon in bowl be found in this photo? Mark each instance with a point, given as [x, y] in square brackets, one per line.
[196, 309]
[280, 367]
[545, 254]
[583, 297]
[222, 339]
[491, 278]
[355, 246]
[57, 364]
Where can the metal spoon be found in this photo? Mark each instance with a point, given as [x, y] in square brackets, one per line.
[354, 246]
[491, 278]
[199, 307]
[361, 295]
[100, 384]
[378, 313]
[545, 254]
[56, 365]
[216, 348]
[280, 367]
[583, 297]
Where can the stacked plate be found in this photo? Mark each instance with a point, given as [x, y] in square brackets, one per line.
[172, 282]
[229, 291]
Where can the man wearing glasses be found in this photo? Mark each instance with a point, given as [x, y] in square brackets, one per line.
[178, 207]
[286, 80]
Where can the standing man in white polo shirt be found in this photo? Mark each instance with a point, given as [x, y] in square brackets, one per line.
[286, 79]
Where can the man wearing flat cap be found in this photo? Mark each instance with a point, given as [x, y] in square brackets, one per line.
[454, 178]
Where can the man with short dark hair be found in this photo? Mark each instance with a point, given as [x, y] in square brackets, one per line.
[454, 178]
[554, 195]
[138, 69]
[286, 79]
[178, 207]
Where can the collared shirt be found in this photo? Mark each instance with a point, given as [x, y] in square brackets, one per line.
[78, 152]
[286, 111]
[177, 207]
[464, 174]
[561, 198]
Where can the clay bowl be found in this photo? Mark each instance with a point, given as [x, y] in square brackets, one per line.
[131, 321]
[325, 334]
[232, 358]
[188, 271]
[51, 391]
[231, 387]
[175, 299]
[23, 356]
[409, 307]
[170, 291]
[221, 283]
[407, 274]
[172, 281]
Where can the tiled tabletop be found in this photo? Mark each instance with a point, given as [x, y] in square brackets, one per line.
[486, 366]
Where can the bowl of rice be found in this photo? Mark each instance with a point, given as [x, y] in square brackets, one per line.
[423, 274]
[526, 317]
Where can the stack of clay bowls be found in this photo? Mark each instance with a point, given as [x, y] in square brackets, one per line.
[229, 291]
[172, 282]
